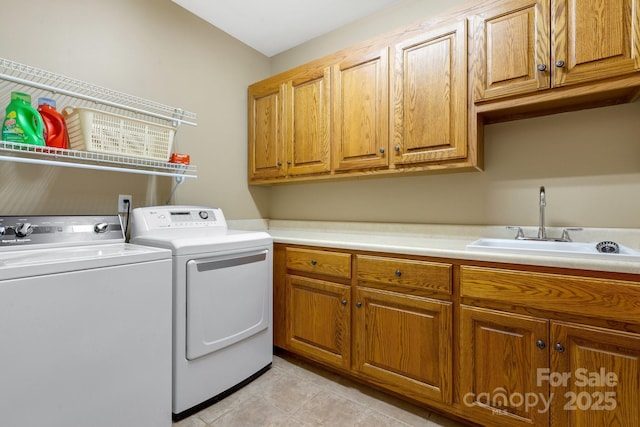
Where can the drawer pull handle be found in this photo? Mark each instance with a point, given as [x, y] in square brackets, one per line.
[343, 302]
[540, 344]
[559, 348]
[398, 273]
[314, 262]
[358, 304]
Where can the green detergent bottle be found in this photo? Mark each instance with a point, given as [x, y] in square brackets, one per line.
[22, 122]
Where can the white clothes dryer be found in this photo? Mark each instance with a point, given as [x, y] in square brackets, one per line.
[222, 301]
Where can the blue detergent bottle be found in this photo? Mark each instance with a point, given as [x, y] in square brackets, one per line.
[22, 123]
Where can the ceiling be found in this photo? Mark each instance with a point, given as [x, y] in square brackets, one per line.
[273, 26]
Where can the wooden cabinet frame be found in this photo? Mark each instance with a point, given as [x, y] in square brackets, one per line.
[394, 322]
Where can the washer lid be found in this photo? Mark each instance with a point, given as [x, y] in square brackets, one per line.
[37, 262]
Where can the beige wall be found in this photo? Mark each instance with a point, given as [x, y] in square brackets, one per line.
[156, 50]
[589, 162]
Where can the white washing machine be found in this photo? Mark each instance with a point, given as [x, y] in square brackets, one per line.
[85, 324]
[222, 301]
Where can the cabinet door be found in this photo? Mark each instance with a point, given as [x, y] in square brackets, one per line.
[404, 343]
[266, 140]
[361, 111]
[510, 41]
[500, 356]
[319, 320]
[308, 131]
[430, 96]
[594, 39]
[596, 376]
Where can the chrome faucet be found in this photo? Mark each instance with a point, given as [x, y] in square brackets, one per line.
[542, 232]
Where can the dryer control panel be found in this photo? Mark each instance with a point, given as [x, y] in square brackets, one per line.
[148, 219]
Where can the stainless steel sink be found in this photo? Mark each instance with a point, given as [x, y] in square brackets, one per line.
[551, 248]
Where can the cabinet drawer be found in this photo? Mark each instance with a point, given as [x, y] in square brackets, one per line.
[328, 263]
[404, 273]
[609, 299]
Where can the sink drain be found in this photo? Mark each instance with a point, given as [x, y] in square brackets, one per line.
[608, 247]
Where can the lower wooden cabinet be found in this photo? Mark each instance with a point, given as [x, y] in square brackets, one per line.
[403, 342]
[391, 337]
[499, 358]
[522, 370]
[600, 383]
[497, 346]
[319, 320]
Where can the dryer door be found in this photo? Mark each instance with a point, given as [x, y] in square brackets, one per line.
[228, 300]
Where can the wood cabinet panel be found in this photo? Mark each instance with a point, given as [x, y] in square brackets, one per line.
[319, 319]
[608, 299]
[499, 359]
[521, 46]
[280, 315]
[328, 263]
[308, 123]
[404, 343]
[403, 273]
[595, 39]
[590, 396]
[266, 145]
[430, 96]
[511, 39]
[361, 111]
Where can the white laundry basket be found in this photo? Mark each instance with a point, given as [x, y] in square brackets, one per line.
[100, 132]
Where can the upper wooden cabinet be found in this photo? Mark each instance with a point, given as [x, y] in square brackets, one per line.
[308, 123]
[521, 46]
[266, 144]
[361, 111]
[289, 126]
[594, 39]
[429, 114]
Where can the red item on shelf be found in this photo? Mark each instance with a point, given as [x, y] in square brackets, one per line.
[56, 134]
[182, 159]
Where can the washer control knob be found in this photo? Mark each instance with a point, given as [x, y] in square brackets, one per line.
[24, 229]
[204, 214]
[101, 227]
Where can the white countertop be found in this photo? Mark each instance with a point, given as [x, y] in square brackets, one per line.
[445, 241]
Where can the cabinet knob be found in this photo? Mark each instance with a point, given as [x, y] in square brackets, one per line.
[542, 67]
[358, 304]
[343, 302]
[382, 151]
[560, 63]
[314, 262]
[398, 273]
[541, 345]
[397, 148]
[559, 348]
[279, 164]
[288, 162]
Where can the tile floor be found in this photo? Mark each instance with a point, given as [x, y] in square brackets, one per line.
[293, 393]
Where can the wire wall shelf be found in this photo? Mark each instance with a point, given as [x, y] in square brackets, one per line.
[71, 92]
[27, 153]
[14, 72]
